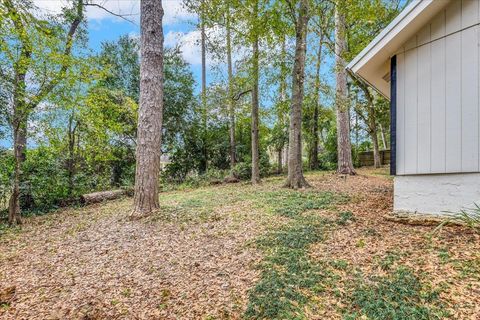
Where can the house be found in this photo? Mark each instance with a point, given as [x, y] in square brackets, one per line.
[426, 61]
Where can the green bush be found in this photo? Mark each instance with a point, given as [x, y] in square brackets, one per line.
[328, 157]
[243, 170]
[6, 173]
[46, 183]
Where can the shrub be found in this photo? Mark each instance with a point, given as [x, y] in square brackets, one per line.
[243, 170]
[6, 172]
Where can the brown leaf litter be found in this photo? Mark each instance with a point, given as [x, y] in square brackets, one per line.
[94, 263]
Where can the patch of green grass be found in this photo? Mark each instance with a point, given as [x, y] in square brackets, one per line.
[4, 305]
[5, 229]
[386, 263]
[468, 268]
[398, 296]
[288, 275]
[444, 256]
[197, 205]
[339, 264]
[127, 292]
[289, 203]
[345, 218]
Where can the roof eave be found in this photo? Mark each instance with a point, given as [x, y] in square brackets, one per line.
[372, 61]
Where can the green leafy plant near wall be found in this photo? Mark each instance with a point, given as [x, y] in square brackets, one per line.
[470, 217]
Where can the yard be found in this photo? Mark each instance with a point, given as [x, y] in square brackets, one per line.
[241, 251]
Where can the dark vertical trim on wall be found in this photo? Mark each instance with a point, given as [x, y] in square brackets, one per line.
[393, 115]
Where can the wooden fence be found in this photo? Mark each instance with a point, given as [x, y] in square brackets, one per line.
[366, 158]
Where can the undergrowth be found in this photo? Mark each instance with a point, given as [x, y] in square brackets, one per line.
[469, 217]
[399, 295]
[288, 274]
[289, 203]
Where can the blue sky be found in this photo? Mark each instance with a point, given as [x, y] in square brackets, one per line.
[179, 29]
[112, 29]
[178, 23]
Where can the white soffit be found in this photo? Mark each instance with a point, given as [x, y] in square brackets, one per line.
[373, 63]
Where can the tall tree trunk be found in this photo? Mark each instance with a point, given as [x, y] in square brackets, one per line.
[280, 109]
[255, 122]
[71, 154]
[382, 133]
[377, 162]
[372, 128]
[19, 146]
[204, 91]
[231, 101]
[280, 161]
[371, 120]
[20, 115]
[149, 134]
[295, 177]
[345, 164]
[314, 165]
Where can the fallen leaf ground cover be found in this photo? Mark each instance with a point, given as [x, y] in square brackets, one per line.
[239, 251]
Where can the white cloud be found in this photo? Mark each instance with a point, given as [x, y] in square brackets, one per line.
[174, 10]
[189, 44]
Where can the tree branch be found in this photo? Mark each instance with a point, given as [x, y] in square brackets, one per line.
[240, 94]
[121, 16]
[68, 49]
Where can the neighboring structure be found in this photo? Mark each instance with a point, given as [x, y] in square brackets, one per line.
[366, 158]
[427, 62]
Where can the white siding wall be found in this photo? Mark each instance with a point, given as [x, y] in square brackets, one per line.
[438, 94]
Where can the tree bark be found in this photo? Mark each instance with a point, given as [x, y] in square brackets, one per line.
[373, 131]
[314, 164]
[370, 120]
[71, 165]
[377, 162]
[295, 177]
[150, 114]
[231, 101]
[102, 196]
[384, 141]
[204, 89]
[19, 147]
[344, 149]
[20, 115]
[279, 163]
[280, 111]
[255, 121]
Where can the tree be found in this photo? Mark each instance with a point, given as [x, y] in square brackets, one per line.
[26, 58]
[365, 19]
[366, 111]
[282, 136]
[313, 159]
[149, 134]
[231, 101]
[295, 177]
[255, 92]
[344, 148]
[204, 83]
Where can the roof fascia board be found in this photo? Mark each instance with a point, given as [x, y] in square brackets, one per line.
[412, 11]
